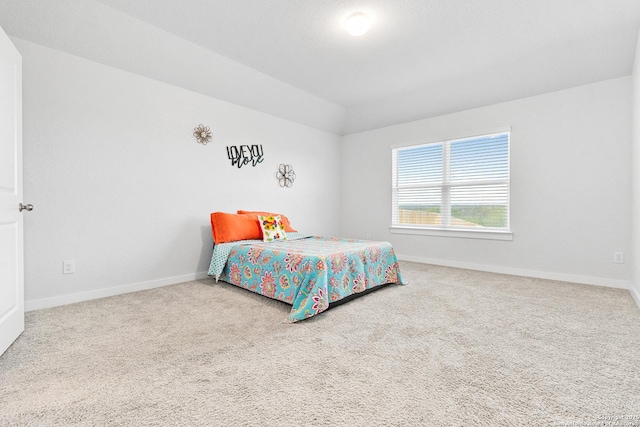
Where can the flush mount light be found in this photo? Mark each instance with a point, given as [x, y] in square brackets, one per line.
[357, 24]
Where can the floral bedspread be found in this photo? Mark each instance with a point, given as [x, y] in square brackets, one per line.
[309, 273]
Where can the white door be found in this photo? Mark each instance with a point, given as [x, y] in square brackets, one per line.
[11, 242]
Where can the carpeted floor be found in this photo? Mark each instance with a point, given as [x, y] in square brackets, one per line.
[453, 348]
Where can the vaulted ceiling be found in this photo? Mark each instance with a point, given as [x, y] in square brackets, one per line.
[421, 58]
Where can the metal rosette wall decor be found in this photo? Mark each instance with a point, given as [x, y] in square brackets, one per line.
[202, 134]
[285, 175]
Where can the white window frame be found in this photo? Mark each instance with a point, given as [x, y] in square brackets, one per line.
[446, 230]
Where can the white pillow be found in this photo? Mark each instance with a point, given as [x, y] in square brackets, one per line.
[272, 228]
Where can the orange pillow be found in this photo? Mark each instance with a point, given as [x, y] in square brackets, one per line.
[285, 220]
[226, 227]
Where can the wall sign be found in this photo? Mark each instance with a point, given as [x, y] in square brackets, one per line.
[241, 155]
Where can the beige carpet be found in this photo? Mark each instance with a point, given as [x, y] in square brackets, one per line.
[453, 348]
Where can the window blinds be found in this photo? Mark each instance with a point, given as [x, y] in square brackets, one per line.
[457, 184]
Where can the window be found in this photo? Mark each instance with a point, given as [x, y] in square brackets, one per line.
[461, 185]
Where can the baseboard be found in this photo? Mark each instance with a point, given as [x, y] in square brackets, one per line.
[109, 292]
[587, 280]
[635, 294]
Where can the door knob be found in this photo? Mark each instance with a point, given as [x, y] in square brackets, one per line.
[28, 207]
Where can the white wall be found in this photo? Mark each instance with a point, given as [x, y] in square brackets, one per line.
[120, 185]
[570, 187]
[635, 274]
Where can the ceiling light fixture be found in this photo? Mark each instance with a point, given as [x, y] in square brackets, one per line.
[357, 24]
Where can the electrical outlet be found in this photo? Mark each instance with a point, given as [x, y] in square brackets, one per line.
[618, 257]
[69, 267]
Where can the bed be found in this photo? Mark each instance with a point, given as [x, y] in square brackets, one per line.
[308, 272]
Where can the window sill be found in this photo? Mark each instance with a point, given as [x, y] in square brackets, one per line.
[465, 234]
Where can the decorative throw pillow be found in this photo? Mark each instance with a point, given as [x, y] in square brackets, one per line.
[272, 228]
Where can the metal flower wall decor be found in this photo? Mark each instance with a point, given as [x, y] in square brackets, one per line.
[285, 175]
[202, 134]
